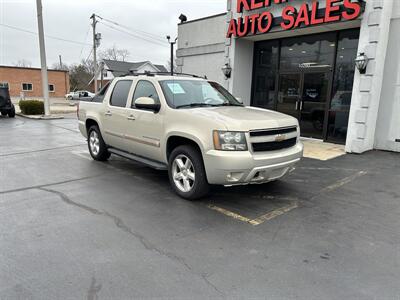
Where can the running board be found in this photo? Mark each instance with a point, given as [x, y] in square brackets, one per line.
[148, 162]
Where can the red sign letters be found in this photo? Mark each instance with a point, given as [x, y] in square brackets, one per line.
[306, 15]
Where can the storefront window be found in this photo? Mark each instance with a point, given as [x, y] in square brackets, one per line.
[342, 85]
[308, 52]
[266, 66]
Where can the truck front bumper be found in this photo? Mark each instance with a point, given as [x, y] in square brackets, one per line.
[243, 167]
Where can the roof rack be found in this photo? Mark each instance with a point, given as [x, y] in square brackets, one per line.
[152, 74]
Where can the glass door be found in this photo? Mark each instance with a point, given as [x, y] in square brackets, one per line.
[304, 95]
[313, 106]
[289, 94]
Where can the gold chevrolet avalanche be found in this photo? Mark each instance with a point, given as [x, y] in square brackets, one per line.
[191, 127]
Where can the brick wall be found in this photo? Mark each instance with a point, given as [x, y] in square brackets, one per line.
[16, 76]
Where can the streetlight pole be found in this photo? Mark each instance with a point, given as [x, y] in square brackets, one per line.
[172, 43]
[45, 80]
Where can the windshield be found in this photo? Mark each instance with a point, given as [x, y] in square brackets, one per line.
[196, 93]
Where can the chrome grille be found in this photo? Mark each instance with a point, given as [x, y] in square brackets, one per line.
[273, 139]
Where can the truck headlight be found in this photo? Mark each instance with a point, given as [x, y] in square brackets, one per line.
[229, 141]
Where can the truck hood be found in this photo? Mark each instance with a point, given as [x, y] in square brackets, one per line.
[245, 118]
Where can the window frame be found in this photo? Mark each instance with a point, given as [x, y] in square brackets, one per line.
[132, 104]
[27, 83]
[54, 88]
[113, 90]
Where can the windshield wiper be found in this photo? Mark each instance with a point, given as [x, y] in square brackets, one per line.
[195, 105]
[229, 104]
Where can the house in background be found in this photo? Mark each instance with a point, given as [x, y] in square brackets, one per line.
[115, 68]
[27, 82]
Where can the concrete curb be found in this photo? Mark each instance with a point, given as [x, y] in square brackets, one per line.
[41, 117]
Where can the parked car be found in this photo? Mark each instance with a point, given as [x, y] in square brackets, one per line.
[6, 106]
[191, 127]
[79, 96]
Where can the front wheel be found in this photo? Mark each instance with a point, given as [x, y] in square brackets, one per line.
[187, 174]
[97, 146]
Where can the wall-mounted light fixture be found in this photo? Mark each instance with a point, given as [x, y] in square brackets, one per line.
[227, 70]
[362, 63]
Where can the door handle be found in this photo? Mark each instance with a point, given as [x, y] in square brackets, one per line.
[131, 118]
[108, 113]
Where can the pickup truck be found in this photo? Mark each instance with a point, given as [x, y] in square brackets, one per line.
[193, 128]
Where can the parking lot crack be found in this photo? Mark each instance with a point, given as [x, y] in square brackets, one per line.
[93, 290]
[41, 150]
[125, 228]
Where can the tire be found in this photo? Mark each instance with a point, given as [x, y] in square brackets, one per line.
[97, 146]
[11, 113]
[3, 113]
[187, 174]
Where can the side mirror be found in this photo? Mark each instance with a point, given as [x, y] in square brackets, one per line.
[239, 100]
[147, 103]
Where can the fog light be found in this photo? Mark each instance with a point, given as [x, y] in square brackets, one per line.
[234, 176]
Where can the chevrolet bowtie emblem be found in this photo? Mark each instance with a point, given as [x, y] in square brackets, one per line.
[280, 138]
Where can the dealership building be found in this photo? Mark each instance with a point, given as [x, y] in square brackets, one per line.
[332, 64]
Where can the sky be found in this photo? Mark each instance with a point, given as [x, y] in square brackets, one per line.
[151, 20]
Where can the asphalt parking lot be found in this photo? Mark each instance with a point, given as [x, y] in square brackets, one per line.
[72, 228]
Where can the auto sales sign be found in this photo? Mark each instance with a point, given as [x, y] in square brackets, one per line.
[291, 17]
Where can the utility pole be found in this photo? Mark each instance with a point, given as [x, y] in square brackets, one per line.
[172, 53]
[94, 22]
[45, 81]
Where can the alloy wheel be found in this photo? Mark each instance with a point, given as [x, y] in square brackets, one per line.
[94, 143]
[183, 173]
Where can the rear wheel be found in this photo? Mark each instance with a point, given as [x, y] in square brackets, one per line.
[11, 112]
[3, 113]
[97, 146]
[187, 174]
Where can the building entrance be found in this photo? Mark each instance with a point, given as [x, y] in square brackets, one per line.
[308, 77]
[305, 96]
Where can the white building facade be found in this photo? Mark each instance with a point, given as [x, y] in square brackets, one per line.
[298, 57]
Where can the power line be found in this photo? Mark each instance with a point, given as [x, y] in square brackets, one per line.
[47, 36]
[147, 39]
[159, 43]
[83, 46]
[90, 54]
[151, 35]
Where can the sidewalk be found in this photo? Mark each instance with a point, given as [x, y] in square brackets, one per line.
[57, 106]
[320, 150]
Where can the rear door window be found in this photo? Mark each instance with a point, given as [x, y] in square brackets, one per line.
[120, 93]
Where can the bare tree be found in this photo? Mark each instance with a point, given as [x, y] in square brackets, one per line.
[80, 76]
[23, 63]
[114, 53]
[56, 66]
[89, 66]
